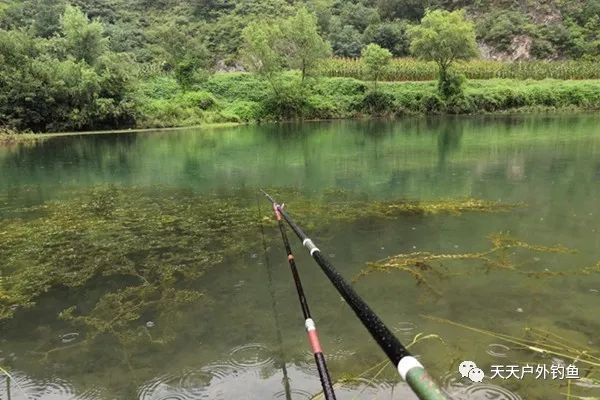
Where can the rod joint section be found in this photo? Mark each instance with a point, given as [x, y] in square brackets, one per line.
[310, 245]
[406, 364]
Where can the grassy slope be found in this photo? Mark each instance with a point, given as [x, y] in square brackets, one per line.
[237, 97]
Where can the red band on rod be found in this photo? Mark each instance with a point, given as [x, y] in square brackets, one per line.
[314, 341]
[277, 213]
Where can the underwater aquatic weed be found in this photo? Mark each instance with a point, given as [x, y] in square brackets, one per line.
[424, 265]
[126, 253]
[541, 345]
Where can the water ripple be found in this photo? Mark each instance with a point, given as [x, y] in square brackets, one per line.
[295, 394]
[69, 337]
[251, 355]
[147, 391]
[220, 371]
[483, 391]
[498, 350]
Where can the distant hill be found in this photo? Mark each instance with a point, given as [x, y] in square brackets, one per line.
[151, 30]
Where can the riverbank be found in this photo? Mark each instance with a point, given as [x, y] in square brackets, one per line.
[237, 98]
[9, 137]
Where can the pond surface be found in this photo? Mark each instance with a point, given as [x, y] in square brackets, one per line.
[243, 337]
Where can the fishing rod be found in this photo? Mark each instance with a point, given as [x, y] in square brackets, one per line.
[309, 324]
[286, 380]
[409, 368]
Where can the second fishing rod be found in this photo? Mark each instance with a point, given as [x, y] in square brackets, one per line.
[309, 324]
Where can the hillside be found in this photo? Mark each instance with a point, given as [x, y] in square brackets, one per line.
[114, 64]
[163, 31]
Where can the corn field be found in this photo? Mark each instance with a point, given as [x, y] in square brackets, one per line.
[410, 69]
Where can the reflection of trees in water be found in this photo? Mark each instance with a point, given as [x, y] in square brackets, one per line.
[69, 159]
[449, 138]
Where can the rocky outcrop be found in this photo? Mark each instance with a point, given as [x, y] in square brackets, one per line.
[519, 50]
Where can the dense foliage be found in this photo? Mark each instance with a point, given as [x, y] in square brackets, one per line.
[71, 80]
[96, 64]
[157, 31]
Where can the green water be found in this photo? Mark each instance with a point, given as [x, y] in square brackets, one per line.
[246, 332]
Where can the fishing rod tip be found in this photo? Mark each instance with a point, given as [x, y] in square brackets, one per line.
[267, 194]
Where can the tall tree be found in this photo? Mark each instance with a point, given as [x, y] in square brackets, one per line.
[444, 37]
[84, 38]
[301, 43]
[261, 50]
[376, 60]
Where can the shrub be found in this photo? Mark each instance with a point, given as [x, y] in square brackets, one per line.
[432, 103]
[377, 103]
[202, 100]
[242, 111]
[450, 83]
[460, 104]
[284, 104]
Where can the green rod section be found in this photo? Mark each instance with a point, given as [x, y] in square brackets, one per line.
[423, 385]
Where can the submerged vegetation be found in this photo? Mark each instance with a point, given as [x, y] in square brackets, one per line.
[146, 247]
[504, 254]
[124, 267]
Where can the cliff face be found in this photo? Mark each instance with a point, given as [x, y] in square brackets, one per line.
[519, 50]
[544, 29]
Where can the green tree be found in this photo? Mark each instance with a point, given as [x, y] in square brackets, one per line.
[46, 21]
[498, 28]
[303, 48]
[261, 51]
[390, 35]
[358, 15]
[178, 49]
[346, 41]
[376, 60]
[84, 39]
[406, 9]
[444, 37]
